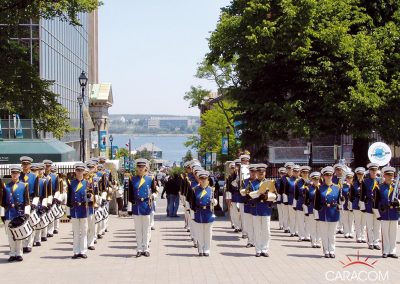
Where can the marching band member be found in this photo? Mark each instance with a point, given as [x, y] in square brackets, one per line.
[183, 191]
[309, 200]
[347, 216]
[373, 225]
[301, 186]
[77, 202]
[282, 187]
[354, 198]
[193, 182]
[204, 213]
[92, 204]
[244, 161]
[262, 215]
[53, 182]
[102, 185]
[326, 208]
[289, 197]
[28, 177]
[279, 205]
[387, 205]
[108, 183]
[249, 205]
[14, 202]
[43, 188]
[233, 189]
[142, 190]
[228, 194]
[338, 178]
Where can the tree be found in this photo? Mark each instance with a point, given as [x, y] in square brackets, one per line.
[309, 68]
[145, 154]
[188, 156]
[22, 90]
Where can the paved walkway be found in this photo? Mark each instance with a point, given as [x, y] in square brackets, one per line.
[174, 260]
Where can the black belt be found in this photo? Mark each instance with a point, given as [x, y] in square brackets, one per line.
[142, 199]
[203, 207]
[76, 204]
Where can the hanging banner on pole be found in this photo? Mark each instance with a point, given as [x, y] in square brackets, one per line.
[18, 128]
[238, 131]
[103, 141]
[224, 149]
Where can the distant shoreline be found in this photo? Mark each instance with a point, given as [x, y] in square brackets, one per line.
[147, 134]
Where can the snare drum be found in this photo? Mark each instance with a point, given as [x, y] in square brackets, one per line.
[20, 228]
[98, 215]
[51, 216]
[43, 223]
[34, 219]
[57, 211]
[105, 213]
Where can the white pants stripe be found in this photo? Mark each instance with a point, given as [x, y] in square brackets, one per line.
[15, 246]
[143, 232]
[285, 216]
[91, 235]
[242, 220]
[359, 224]
[261, 233]
[204, 236]
[79, 229]
[292, 219]
[328, 236]
[347, 220]
[389, 236]
[373, 228]
[248, 220]
[234, 210]
[279, 206]
[300, 224]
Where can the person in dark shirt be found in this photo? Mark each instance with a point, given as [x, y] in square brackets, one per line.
[172, 187]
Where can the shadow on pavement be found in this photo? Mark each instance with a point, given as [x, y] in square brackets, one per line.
[226, 238]
[65, 243]
[122, 247]
[236, 254]
[57, 257]
[179, 246]
[181, 254]
[63, 249]
[122, 237]
[118, 255]
[231, 246]
[179, 240]
[306, 255]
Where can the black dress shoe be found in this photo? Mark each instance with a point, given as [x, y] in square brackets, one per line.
[19, 258]
[377, 247]
[233, 227]
[146, 254]
[206, 254]
[384, 255]
[106, 230]
[188, 230]
[291, 235]
[38, 244]
[265, 254]
[258, 254]
[95, 241]
[313, 246]
[12, 258]
[49, 235]
[91, 248]
[248, 245]
[327, 255]
[75, 256]
[55, 232]
[286, 231]
[200, 254]
[236, 230]
[44, 239]
[351, 237]
[359, 241]
[296, 235]
[318, 246]
[345, 237]
[152, 228]
[364, 241]
[332, 255]
[371, 247]
[99, 236]
[393, 255]
[138, 254]
[82, 255]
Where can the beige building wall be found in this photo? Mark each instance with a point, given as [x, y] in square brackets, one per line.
[93, 48]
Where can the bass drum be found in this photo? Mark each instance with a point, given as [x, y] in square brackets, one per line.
[34, 219]
[20, 228]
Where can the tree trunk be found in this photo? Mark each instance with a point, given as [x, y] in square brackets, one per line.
[360, 151]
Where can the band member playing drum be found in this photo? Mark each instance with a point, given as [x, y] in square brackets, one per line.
[204, 213]
[142, 190]
[77, 202]
[326, 209]
[14, 202]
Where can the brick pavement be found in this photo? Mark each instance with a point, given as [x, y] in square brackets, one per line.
[174, 260]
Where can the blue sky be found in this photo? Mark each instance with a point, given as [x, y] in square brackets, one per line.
[149, 51]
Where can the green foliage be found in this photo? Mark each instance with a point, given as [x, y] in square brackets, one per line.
[122, 152]
[188, 156]
[307, 68]
[145, 154]
[22, 90]
[175, 170]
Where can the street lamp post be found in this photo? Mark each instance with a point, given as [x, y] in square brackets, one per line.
[228, 131]
[98, 122]
[111, 138]
[81, 100]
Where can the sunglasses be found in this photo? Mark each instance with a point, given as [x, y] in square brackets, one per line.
[141, 166]
[79, 170]
[26, 163]
[328, 175]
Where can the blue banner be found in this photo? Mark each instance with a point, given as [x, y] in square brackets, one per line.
[114, 151]
[1, 131]
[225, 145]
[238, 131]
[18, 128]
[103, 140]
[208, 158]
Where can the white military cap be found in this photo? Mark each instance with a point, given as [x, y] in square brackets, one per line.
[15, 168]
[100, 166]
[282, 170]
[102, 159]
[349, 174]
[186, 164]
[80, 166]
[388, 170]
[197, 168]
[142, 162]
[338, 166]
[252, 167]
[372, 166]
[237, 162]
[244, 157]
[203, 174]
[95, 160]
[90, 164]
[327, 170]
[289, 165]
[26, 159]
[232, 165]
[315, 175]
[261, 167]
[296, 168]
[359, 170]
[305, 169]
[47, 162]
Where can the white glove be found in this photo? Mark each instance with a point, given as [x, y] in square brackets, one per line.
[214, 201]
[27, 209]
[2, 211]
[228, 195]
[285, 198]
[44, 202]
[361, 205]
[294, 203]
[35, 201]
[129, 206]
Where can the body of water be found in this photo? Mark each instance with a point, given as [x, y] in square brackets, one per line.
[172, 146]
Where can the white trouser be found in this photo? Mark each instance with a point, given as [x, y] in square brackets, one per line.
[143, 232]
[292, 219]
[248, 220]
[242, 220]
[285, 216]
[389, 236]
[373, 228]
[262, 233]
[235, 215]
[106, 220]
[39, 234]
[347, 220]
[15, 246]
[359, 224]
[152, 218]
[80, 229]
[28, 243]
[192, 225]
[328, 236]
[300, 224]
[204, 235]
[100, 227]
[53, 226]
[311, 229]
[187, 217]
[279, 206]
[91, 234]
[339, 226]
